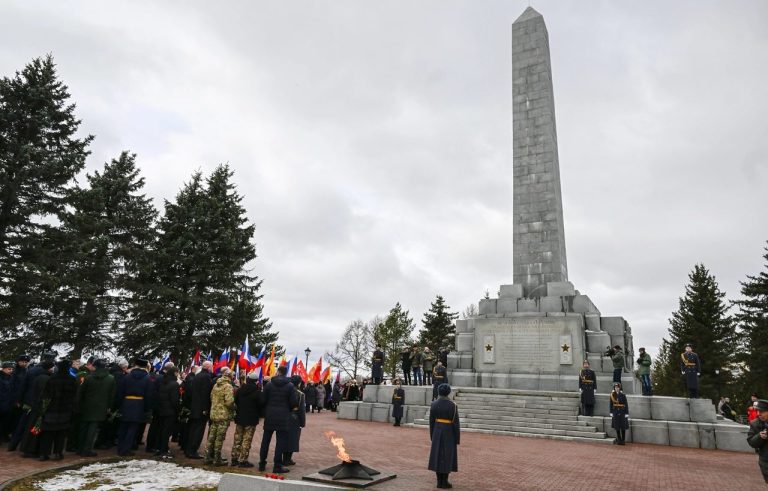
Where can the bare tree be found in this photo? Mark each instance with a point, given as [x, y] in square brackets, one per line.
[353, 351]
[469, 312]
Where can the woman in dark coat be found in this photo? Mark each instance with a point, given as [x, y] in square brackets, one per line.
[619, 411]
[58, 406]
[167, 409]
[445, 432]
[398, 398]
[336, 396]
[310, 396]
[30, 441]
[297, 420]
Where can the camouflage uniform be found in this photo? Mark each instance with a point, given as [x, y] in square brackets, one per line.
[241, 447]
[222, 407]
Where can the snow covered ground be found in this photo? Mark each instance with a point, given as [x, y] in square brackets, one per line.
[131, 475]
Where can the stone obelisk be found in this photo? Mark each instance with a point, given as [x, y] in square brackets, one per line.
[539, 238]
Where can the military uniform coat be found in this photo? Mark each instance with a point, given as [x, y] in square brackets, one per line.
[439, 376]
[588, 386]
[691, 367]
[296, 421]
[619, 409]
[377, 369]
[133, 394]
[398, 399]
[222, 401]
[95, 395]
[445, 434]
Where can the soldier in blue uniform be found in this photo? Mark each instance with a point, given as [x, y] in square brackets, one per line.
[398, 399]
[444, 432]
[690, 366]
[587, 388]
[133, 395]
[377, 362]
[439, 377]
[619, 411]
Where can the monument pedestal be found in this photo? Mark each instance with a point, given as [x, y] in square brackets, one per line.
[538, 343]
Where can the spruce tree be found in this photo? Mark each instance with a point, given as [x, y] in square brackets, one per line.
[438, 329]
[40, 155]
[752, 321]
[393, 334]
[702, 320]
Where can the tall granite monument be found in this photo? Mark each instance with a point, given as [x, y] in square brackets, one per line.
[538, 331]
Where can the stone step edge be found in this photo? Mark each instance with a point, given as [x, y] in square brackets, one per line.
[577, 439]
[524, 392]
[519, 429]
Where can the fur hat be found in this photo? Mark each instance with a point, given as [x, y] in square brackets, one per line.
[444, 390]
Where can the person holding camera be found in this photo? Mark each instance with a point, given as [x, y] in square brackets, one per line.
[644, 372]
[757, 436]
[617, 357]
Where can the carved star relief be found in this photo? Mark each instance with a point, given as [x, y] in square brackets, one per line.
[488, 347]
[565, 347]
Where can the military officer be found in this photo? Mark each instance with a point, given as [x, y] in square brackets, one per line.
[133, 394]
[619, 411]
[757, 436]
[587, 388]
[690, 366]
[444, 431]
[398, 399]
[439, 377]
[377, 370]
[222, 412]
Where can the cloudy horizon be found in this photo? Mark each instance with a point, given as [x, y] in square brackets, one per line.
[372, 141]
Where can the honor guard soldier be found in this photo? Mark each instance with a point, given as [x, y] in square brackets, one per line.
[439, 377]
[377, 370]
[690, 366]
[619, 411]
[444, 431]
[587, 388]
[398, 399]
[757, 436]
[133, 394]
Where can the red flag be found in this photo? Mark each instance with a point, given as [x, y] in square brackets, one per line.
[301, 371]
[314, 373]
[326, 376]
[196, 359]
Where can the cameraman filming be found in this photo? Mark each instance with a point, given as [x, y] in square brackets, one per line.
[757, 436]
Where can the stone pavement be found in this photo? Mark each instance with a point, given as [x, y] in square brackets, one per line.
[490, 462]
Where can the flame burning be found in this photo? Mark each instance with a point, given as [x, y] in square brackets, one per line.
[338, 442]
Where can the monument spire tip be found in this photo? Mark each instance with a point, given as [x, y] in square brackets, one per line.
[528, 13]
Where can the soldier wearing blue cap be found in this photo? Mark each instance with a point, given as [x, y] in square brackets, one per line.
[757, 436]
[444, 432]
[619, 411]
[690, 366]
[133, 395]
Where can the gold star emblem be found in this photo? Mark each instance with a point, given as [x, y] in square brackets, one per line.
[488, 347]
[565, 347]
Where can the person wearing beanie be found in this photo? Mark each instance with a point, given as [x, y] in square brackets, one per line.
[222, 411]
[757, 436]
[58, 407]
[95, 396]
[752, 408]
[619, 412]
[297, 420]
[444, 431]
[644, 371]
[248, 402]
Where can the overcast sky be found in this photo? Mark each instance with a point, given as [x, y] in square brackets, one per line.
[372, 140]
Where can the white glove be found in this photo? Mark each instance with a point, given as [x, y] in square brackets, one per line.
[611, 415]
[698, 375]
[579, 391]
[682, 373]
[626, 415]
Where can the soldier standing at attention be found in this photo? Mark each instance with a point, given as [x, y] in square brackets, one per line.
[690, 366]
[587, 389]
[757, 436]
[619, 411]
[222, 410]
[439, 377]
[377, 371]
[133, 392]
[444, 432]
[398, 399]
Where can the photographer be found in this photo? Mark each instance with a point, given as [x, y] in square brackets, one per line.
[644, 371]
[617, 357]
[757, 436]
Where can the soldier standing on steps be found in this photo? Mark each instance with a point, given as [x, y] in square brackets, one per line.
[587, 389]
[377, 370]
[619, 411]
[439, 377]
[691, 368]
[398, 399]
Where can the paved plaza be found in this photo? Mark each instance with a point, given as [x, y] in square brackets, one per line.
[490, 462]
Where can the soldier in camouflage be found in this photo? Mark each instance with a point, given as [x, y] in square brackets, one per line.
[222, 410]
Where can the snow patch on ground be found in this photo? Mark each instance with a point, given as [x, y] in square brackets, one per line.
[131, 475]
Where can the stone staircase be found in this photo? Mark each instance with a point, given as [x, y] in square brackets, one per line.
[551, 415]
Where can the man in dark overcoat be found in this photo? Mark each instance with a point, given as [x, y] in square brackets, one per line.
[296, 421]
[134, 394]
[690, 366]
[405, 364]
[279, 399]
[199, 409]
[757, 436]
[398, 399]
[444, 432]
[587, 388]
[17, 380]
[439, 377]
[58, 409]
[94, 400]
[25, 397]
[619, 411]
[249, 402]
[377, 365]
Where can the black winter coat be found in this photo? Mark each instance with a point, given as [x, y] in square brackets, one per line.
[19, 374]
[310, 395]
[26, 393]
[168, 398]
[279, 398]
[249, 400]
[61, 395]
[200, 403]
[6, 392]
[296, 421]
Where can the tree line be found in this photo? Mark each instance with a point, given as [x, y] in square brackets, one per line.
[731, 339]
[95, 267]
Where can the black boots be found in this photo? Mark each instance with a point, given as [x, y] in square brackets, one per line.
[442, 481]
